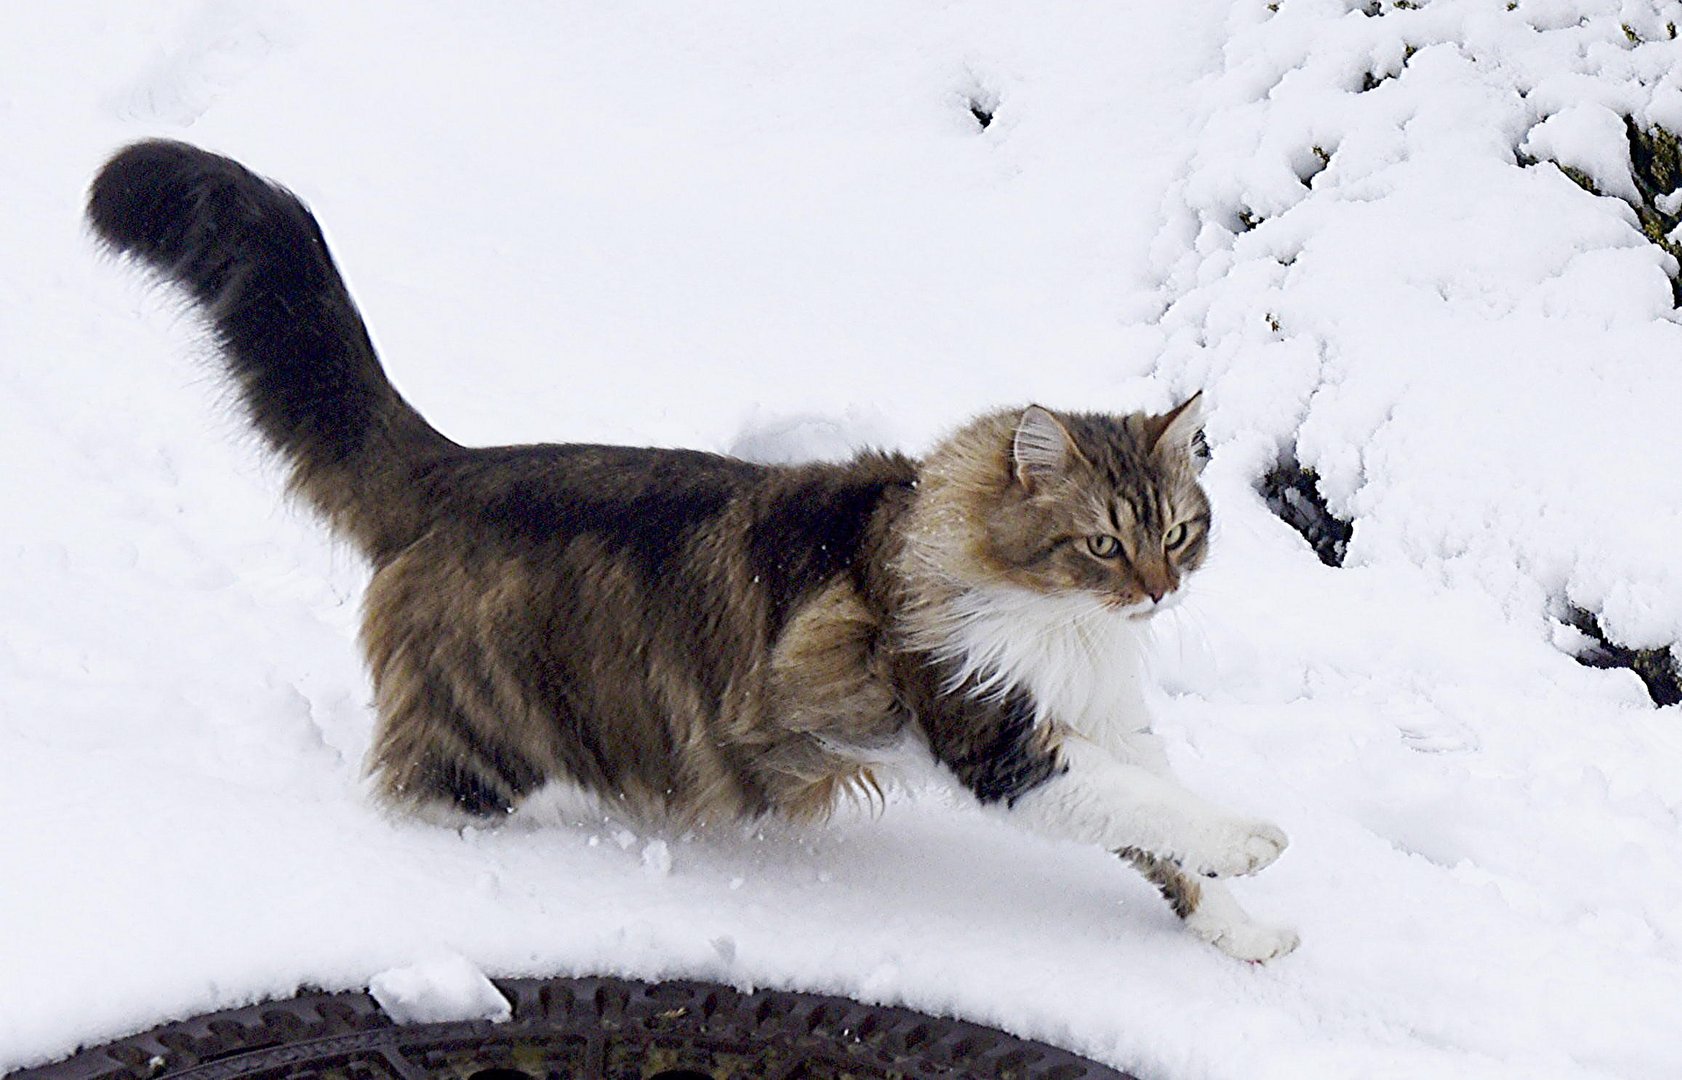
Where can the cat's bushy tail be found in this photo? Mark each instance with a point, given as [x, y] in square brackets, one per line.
[253, 257]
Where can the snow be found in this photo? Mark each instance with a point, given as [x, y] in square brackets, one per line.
[781, 232]
[437, 990]
[657, 859]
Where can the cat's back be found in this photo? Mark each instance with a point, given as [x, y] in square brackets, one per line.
[719, 530]
[649, 497]
[534, 497]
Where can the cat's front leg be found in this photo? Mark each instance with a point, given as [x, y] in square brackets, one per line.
[1207, 907]
[1098, 798]
[1210, 911]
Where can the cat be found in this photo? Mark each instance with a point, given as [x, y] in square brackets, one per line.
[694, 638]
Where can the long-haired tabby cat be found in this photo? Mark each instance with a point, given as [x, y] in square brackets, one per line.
[692, 637]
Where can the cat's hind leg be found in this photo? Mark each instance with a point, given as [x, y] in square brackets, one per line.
[449, 744]
[435, 756]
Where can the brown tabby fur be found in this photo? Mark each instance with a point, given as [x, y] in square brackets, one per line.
[686, 636]
[690, 694]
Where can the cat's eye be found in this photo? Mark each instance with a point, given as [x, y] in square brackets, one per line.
[1103, 545]
[1174, 537]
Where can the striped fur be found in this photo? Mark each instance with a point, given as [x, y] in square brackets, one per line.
[688, 637]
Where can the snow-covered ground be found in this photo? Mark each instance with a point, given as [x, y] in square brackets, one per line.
[777, 229]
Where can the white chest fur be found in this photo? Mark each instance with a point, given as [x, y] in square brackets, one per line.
[1082, 663]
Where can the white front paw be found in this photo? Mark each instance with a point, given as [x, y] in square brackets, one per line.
[1233, 847]
[1245, 940]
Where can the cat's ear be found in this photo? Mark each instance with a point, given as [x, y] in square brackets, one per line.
[1180, 431]
[1041, 449]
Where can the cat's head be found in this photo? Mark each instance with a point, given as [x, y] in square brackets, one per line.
[1104, 505]
[1087, 505]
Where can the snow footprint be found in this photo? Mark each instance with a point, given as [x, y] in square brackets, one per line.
[220, 50]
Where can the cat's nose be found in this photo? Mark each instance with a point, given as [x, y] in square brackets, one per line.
[1156, 594]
